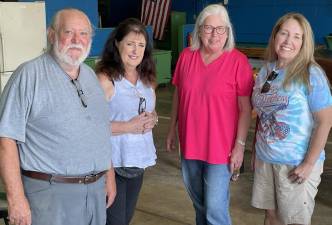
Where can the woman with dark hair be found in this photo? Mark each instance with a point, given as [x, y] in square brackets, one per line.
[127, 74]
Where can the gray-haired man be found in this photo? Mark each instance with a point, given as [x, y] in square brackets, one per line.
[54, 133]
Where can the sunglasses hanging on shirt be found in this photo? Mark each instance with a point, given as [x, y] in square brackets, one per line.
[141, 103]
[267, 85]
[80, 92]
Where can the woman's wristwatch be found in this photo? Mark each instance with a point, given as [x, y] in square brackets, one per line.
[156, 120]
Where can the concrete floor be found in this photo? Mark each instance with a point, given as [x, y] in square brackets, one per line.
[164, 201]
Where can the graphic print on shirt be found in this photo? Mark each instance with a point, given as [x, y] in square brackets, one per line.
[268, 105]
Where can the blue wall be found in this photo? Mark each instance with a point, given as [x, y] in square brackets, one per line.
[253, 20]
[90, 7]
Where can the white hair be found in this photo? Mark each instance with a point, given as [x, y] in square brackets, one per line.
[214, 9]
[66, 59]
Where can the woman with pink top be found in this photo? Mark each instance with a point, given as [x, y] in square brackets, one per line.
[211, 106]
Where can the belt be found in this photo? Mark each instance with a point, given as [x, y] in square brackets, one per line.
[88, 179]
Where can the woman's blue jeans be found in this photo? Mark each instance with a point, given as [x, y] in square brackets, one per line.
[208, 188]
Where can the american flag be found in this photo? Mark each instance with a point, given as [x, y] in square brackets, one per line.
[156, 13]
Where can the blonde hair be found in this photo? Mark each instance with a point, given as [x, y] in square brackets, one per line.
[214, 9]
[298, 69]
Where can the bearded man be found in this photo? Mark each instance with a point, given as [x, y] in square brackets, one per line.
[55, 159]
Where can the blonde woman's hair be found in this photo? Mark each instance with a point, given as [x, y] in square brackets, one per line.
[298, 69]
[214, 9]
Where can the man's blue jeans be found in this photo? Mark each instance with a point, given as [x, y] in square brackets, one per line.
[208, 188]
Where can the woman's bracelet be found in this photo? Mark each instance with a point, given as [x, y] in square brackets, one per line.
[240, 142]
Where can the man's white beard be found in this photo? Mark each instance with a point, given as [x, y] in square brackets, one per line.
[63, 57]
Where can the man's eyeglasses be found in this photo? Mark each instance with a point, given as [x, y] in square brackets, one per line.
[208, 29]
[80, 92]
[266, 86]
[141, 105]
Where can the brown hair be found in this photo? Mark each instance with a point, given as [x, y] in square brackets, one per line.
[111, 63]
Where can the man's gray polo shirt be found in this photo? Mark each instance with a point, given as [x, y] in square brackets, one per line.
[41, 109]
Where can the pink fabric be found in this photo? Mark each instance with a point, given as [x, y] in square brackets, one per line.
[208, 108]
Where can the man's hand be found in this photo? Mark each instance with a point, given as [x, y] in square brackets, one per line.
[110, 187]
[19, 211]
[18, 207]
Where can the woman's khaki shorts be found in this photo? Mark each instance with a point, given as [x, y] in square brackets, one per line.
[273, 190]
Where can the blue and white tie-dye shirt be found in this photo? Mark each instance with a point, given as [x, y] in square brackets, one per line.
[286, 116]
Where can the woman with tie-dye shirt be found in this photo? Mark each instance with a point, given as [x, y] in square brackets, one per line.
[293, 102]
